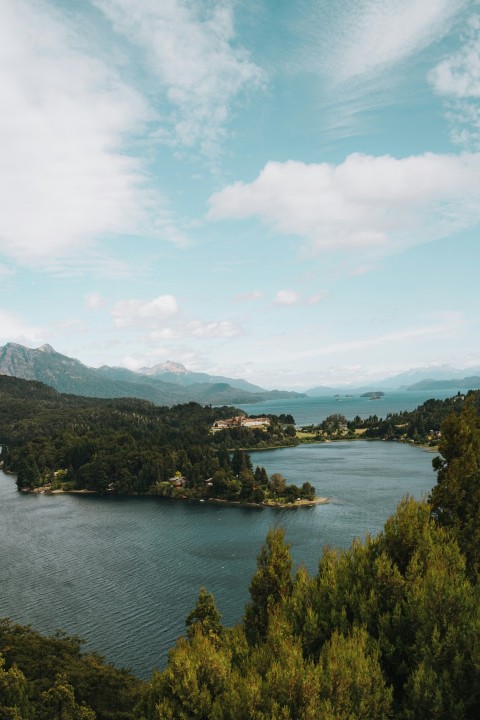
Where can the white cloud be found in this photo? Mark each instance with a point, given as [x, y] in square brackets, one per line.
[131, 313]
[133, 363]
[13, 328]
[315, 299]
[94, 301]
[287, 297]
[369, 36]
[381, 203]
[65, 120]
[197, 329]
[292, 297]
[191, 48]
[214, 329]
[457, 80]
[458, 75]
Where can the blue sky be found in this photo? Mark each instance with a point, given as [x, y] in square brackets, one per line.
[285, 192]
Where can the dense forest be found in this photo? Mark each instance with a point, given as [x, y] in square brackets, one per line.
[389, 628]
[125, 446]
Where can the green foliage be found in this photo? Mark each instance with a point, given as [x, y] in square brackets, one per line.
[37, 660]
[204, 618]
[388, 628]
[14, 702]
[270, 586]
[456, 497]
[58, 703]
[126, 446]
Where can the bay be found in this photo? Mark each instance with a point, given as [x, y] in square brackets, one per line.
[312, 410]
[123, 572]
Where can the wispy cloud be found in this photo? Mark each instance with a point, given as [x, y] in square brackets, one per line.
[287, 297]
[135, 313]
[198, 329]
[252, 296]
[14, 328]
[66, 120]
[378, 203]
[94, 301]
[192, 50]
[292, 297]
[447, 324]
[361, 52]
[457, 79]
[357, 39]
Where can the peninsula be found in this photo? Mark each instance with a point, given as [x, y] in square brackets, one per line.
[65, 443]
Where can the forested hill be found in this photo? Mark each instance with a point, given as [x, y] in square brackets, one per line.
[53, 441]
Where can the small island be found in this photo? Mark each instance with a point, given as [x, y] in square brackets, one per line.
[373, 395]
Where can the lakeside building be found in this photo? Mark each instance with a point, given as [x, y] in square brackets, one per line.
[241, 421]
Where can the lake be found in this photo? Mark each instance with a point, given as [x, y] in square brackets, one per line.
[123, 573]
[308, 410]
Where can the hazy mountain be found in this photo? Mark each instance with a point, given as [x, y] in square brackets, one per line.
[322, 390]
[464, 383]
[435, 372]
[68, 375]
[176, 373]
[408, 380]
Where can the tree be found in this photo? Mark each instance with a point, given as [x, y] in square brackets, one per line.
[455, 498]
[277, 483]
[307, 491]
[195, 677]
[261, 477]
[240, 461]
[58, 703]
[350, 683]
[204, 618]
[270, 586]
[14, 703]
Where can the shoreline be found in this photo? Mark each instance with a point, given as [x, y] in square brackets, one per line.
[220, 501]
[268, 504]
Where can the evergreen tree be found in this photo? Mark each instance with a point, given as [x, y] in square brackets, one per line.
[204, 618]
[271, 584]
[455, 498]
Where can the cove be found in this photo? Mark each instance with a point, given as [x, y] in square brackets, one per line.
[123, 572]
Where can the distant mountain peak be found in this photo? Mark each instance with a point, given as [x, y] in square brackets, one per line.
[166, 367]
[46, 348]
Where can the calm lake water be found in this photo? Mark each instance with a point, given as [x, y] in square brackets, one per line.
[310, 410]
[124, 572]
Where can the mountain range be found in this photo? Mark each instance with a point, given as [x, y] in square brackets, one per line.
[171, 383]
[435, 377]
[166, 384]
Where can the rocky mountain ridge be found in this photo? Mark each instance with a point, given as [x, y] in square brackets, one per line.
[68, 375]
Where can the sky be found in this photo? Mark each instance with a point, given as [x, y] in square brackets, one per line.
[287, 192]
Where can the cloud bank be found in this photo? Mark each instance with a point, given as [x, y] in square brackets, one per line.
[369, 202]
[64, 117]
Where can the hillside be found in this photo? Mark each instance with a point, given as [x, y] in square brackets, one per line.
[68, 375]
[57, 442]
